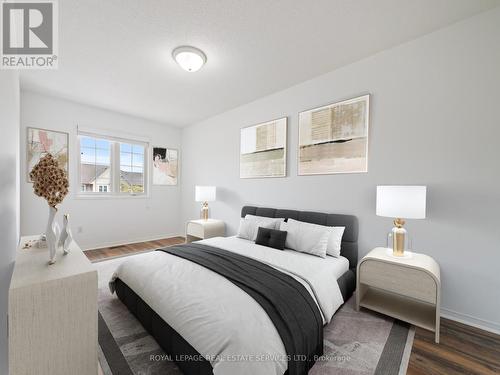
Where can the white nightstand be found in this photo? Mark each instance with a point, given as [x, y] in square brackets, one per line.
[406, 288]
[202, 229]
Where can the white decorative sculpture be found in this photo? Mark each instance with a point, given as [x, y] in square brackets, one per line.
[51, 234]
[66, 235]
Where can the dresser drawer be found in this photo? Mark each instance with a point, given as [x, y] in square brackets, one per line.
[399, 279]
[195, 230]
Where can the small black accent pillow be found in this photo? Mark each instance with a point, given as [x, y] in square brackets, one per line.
[271, 238]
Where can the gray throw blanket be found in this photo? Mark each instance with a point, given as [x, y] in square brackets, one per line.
[285, 300]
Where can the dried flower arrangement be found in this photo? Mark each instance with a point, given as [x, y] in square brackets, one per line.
[50, 180]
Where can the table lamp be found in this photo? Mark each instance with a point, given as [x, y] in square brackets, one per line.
[205, 194]
[401, 202]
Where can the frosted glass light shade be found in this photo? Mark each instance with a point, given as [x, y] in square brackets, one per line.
[205, 193]
[189, 58]
[405, 202]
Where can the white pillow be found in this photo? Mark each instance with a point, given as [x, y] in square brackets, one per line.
[267, 220]
[335, 241]
[305, 239]
[311, 238]
[249, 226]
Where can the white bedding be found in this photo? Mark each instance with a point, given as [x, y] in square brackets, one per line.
[222, 322]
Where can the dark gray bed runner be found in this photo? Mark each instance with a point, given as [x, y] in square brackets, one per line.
[285, 300]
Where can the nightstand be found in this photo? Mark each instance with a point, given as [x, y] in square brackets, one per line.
[406, 288]
[203, 229]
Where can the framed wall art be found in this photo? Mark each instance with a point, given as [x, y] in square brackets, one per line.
[40, 142]
[334, 138]
[263, 149]
[165, 166]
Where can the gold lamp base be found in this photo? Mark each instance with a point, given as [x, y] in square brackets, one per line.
[204, 211]
[398, 238]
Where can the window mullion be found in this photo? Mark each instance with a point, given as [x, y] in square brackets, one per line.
[80, 164]
[116, 168]
[144, 169]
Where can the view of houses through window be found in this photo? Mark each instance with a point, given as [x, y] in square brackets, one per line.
[95, 164]
[131, 168]
[104, 161]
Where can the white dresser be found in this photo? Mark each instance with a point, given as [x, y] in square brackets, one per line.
[52, 313]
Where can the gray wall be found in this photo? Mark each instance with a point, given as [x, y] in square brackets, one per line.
[9, 195]
[434, 121]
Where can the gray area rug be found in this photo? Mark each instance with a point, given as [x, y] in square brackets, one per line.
[356, 343]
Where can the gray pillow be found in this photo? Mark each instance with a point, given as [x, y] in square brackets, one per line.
[271, 238]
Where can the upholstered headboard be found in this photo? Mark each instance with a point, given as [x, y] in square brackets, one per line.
[349, 240]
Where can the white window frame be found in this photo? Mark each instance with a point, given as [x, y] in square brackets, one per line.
[114, 189]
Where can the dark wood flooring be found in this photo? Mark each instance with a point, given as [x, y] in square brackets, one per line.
[117, 251]
[462, 350]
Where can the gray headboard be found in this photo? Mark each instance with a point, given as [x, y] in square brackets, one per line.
[349, 240]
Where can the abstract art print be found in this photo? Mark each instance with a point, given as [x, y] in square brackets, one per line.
[41, 142]
[263, 150]
[334, 138]
[165, 166]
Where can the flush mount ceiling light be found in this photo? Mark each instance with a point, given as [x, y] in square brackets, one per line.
[189, 58]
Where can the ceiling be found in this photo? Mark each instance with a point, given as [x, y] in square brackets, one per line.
[116, 54]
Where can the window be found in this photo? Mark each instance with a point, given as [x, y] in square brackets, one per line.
[131, 168]
[112, 166]
[95, 164]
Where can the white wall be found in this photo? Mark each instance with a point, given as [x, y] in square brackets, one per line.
[434, 121]
[9, 195]
[105, 221]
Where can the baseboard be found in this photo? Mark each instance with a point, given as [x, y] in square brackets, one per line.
[129, 242]
[485, 325]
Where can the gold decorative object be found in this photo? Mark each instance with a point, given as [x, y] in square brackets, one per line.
[50, 182]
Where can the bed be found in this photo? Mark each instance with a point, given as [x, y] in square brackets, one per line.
[209, 325]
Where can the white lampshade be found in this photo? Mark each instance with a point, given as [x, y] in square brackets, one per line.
[205, 193]
[405, 202]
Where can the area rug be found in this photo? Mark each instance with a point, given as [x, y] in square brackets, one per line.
[356, 343]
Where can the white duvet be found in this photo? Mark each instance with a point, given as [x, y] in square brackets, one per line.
[222, 322]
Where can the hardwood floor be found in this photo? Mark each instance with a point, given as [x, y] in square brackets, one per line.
[462, 349]
[116, 251]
